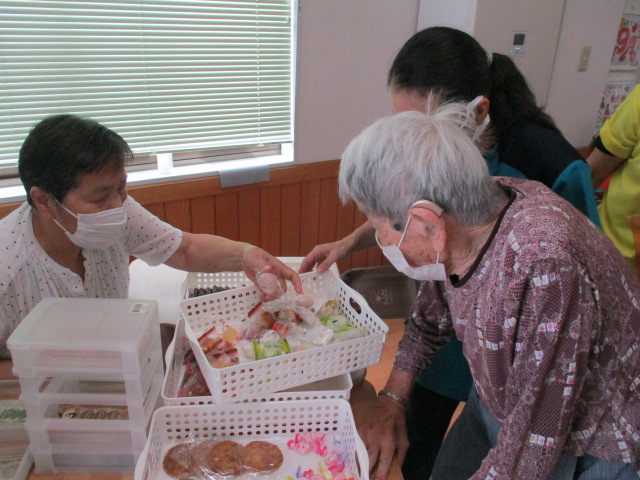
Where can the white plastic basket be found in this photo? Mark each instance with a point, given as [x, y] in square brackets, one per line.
[275, 422]
[334, 387]
[261, 377]
[229, 280]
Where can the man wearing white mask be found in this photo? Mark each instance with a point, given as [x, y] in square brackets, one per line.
[74, 234]
[547, 308]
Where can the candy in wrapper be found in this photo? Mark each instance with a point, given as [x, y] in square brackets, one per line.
[337, 323]
[267, 349]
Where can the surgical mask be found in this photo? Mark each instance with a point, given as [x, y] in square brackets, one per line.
[470, 112]
[433, 271]
[97, 230]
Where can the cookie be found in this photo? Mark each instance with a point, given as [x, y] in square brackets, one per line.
[200, 455]
[225, 458]
[177, 461]
[262, 457]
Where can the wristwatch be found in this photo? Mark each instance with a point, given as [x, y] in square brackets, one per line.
[394, 396]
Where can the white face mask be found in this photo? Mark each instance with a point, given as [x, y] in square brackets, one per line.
[433, 271]
[470, 111]
[97, 230]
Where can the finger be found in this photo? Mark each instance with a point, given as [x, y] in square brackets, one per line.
[384, 463]
[307, 264]
[373, 457]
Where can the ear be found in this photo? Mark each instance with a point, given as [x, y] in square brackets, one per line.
[43, 202]
[434, 225]
[482, 110]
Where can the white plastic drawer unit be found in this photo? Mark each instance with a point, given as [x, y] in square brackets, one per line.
[93, 336]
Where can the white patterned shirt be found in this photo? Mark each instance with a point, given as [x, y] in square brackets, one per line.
[549, 317]
[28, 274]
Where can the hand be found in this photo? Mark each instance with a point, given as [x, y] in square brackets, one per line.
[385, 434]
[255, 259]
[323, 256]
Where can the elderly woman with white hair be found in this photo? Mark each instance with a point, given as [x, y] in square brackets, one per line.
[547, 308]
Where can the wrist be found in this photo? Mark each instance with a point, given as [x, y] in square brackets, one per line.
[394, 396]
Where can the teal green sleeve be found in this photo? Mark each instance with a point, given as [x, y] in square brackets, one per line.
[574, 184]
[448, 374]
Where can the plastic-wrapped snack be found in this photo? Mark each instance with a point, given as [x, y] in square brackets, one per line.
[225, 458]
[177, 461]
[268, 349]
[262, 457]
[337, 323]
[193, 382]
[93, 412]
[327, 309]
[318, 335]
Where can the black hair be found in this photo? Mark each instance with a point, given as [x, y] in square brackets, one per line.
[60, 149]
[454, 65]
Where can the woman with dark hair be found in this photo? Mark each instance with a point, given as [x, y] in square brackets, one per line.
[518, 140]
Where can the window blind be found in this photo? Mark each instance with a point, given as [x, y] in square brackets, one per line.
[167, 75]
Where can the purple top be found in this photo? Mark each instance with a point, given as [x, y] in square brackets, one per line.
[550, 319]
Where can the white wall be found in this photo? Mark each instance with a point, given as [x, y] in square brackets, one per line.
[574, 97]
[345, 49]
[496, 21]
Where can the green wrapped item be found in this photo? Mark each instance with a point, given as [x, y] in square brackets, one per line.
[337, 322]
[263, 350]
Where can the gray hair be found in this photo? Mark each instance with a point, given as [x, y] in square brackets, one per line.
[412, 156]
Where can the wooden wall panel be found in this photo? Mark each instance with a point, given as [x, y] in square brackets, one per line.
[203, 215]
[157, 209]
[295, 210]
[178, 214]
[270, 219]
[310, 215]
[290, 220]
[329, 205]
[227, 215]
[249, 216]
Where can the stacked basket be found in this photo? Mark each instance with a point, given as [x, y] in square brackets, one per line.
[90, 372]
[271, 399]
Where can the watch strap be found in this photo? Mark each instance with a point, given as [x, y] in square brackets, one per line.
[394, 396]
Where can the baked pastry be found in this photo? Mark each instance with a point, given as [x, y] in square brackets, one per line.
[200, 456]
[262, 457]
[225, 458]
[177, 461]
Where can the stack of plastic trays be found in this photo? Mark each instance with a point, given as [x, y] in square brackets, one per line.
[90, 373]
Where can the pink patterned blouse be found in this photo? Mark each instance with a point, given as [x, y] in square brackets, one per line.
[549, 316]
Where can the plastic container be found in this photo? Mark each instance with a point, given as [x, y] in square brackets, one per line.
[275, 422]
[95, 336]
[15, 459]
[388, 292]
[72, 388]
[334, 387]
[228, 280]
[74, 458]
[45, 415]
[262, 377]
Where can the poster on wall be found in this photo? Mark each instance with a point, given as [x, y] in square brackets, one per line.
[614, 94]
[626, 53]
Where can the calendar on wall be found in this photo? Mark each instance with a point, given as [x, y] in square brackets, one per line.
[626, 53]
[625, 63]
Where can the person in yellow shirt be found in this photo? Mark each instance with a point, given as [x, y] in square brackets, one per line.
[617, 150]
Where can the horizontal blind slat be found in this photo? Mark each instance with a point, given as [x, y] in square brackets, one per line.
[163, 74]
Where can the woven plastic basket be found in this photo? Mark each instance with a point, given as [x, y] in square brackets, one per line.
[275, 422]
[261, 377]
[334, 387]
